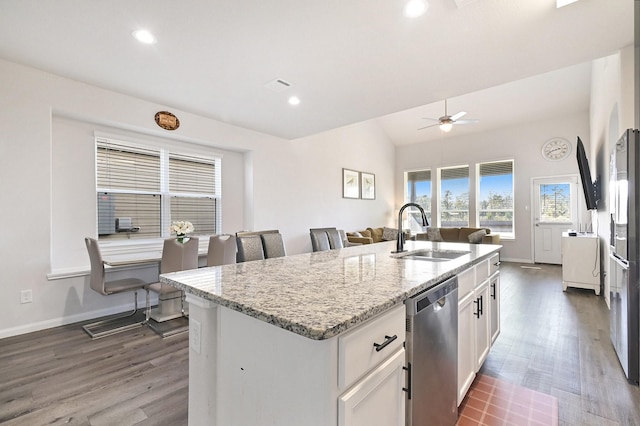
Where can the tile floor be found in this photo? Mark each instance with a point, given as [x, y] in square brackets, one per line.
[494, 402]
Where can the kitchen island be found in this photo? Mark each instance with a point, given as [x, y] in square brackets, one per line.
[276, 342]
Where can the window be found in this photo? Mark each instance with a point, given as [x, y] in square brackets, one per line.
[555, 203]
[141, 190]
[495, 197]
[454, 196]
[418, 190]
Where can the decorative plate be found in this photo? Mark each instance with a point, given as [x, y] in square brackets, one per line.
[166, 120]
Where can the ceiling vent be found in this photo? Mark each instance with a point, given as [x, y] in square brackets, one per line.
[278, 85]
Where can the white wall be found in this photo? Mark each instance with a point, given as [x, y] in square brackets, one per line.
[47, 178]
[612, 111]
[521, 143]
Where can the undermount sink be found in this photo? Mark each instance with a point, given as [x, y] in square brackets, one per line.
[434, 255]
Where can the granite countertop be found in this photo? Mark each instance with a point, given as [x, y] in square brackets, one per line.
[320, 295]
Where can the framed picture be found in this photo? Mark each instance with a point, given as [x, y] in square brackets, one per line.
[350, 184]
[368, 183]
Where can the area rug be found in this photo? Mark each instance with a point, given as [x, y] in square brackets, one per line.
[492, 402]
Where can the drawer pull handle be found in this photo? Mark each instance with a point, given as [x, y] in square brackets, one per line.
[497, 263]
[381, 346]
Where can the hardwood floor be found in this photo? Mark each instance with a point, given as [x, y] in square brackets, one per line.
[551, 341]
[558, 343]
[61, 376]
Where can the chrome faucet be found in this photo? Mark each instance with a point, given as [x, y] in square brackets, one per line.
[425, 222]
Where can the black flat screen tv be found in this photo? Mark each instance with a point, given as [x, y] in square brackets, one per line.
[589, 187]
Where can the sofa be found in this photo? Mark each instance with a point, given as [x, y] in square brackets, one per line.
[373, 235]
[460, 235]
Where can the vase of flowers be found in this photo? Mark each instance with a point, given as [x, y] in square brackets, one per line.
[181, 228]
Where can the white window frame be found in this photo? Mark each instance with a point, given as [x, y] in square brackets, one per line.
[165, 150]
[439, 192]
[505, 235]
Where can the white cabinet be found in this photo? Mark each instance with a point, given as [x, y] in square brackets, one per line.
[478, 318]
[494, 295]
[481, 314]
[377, 399]
[466, 345]
[373, 357]
[581, 262]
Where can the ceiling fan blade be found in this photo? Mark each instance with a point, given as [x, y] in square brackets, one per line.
[461, 114]
[426, 127]
[468, 121]
[429, 118]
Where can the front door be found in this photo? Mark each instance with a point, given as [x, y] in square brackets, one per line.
[555, 204]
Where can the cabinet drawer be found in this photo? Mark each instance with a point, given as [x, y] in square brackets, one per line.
[356, 351]
[494, 264]
[482, 271]
[466, 282]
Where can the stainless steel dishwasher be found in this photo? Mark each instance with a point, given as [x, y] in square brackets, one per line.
[432, 356]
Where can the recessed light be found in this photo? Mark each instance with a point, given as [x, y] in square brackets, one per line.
[415, 8]
[144, 36]
[294, 100]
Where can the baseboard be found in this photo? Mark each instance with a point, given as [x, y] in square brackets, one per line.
[507, 259]
[66, 320]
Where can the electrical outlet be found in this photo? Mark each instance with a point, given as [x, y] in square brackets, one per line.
[26, 296]
[194, 335]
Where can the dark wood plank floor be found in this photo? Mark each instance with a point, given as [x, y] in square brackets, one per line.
[60, 376]
[558, 343]
[551, 341]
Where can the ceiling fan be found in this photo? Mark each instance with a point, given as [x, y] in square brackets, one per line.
[446, 122]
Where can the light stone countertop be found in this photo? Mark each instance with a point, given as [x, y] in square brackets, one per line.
[320, 295]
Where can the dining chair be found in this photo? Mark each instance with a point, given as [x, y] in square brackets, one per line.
[176, 256]
[222, 250]
[273, 245]
[319, 239]
[249, 248]
[325, 239]
[98, 283]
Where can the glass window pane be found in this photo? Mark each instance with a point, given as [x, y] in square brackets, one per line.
[496, 206]
[419, 192]
[555, 203]
[142, 209]
[201, 212]
[454, 197]
[127, 168]
[191, 175]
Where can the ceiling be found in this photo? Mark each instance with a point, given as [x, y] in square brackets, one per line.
[502, 61]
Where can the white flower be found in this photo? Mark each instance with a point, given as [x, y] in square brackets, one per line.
[181, 227]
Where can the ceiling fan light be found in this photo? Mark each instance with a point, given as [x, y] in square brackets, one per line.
[446, 127]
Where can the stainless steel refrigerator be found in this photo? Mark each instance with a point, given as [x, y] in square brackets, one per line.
[624, 253]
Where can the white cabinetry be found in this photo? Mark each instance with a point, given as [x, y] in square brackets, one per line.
[478, 318]
[494, 294]
[466, 332]
[481, 315]
[581, 262]
[373, 354]
[257, 374]
[377, 399]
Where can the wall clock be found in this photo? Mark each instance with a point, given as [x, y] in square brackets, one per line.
[556, 149]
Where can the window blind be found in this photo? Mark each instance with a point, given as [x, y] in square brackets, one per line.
[151, 187]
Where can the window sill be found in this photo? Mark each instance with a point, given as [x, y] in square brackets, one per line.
[123, 248]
